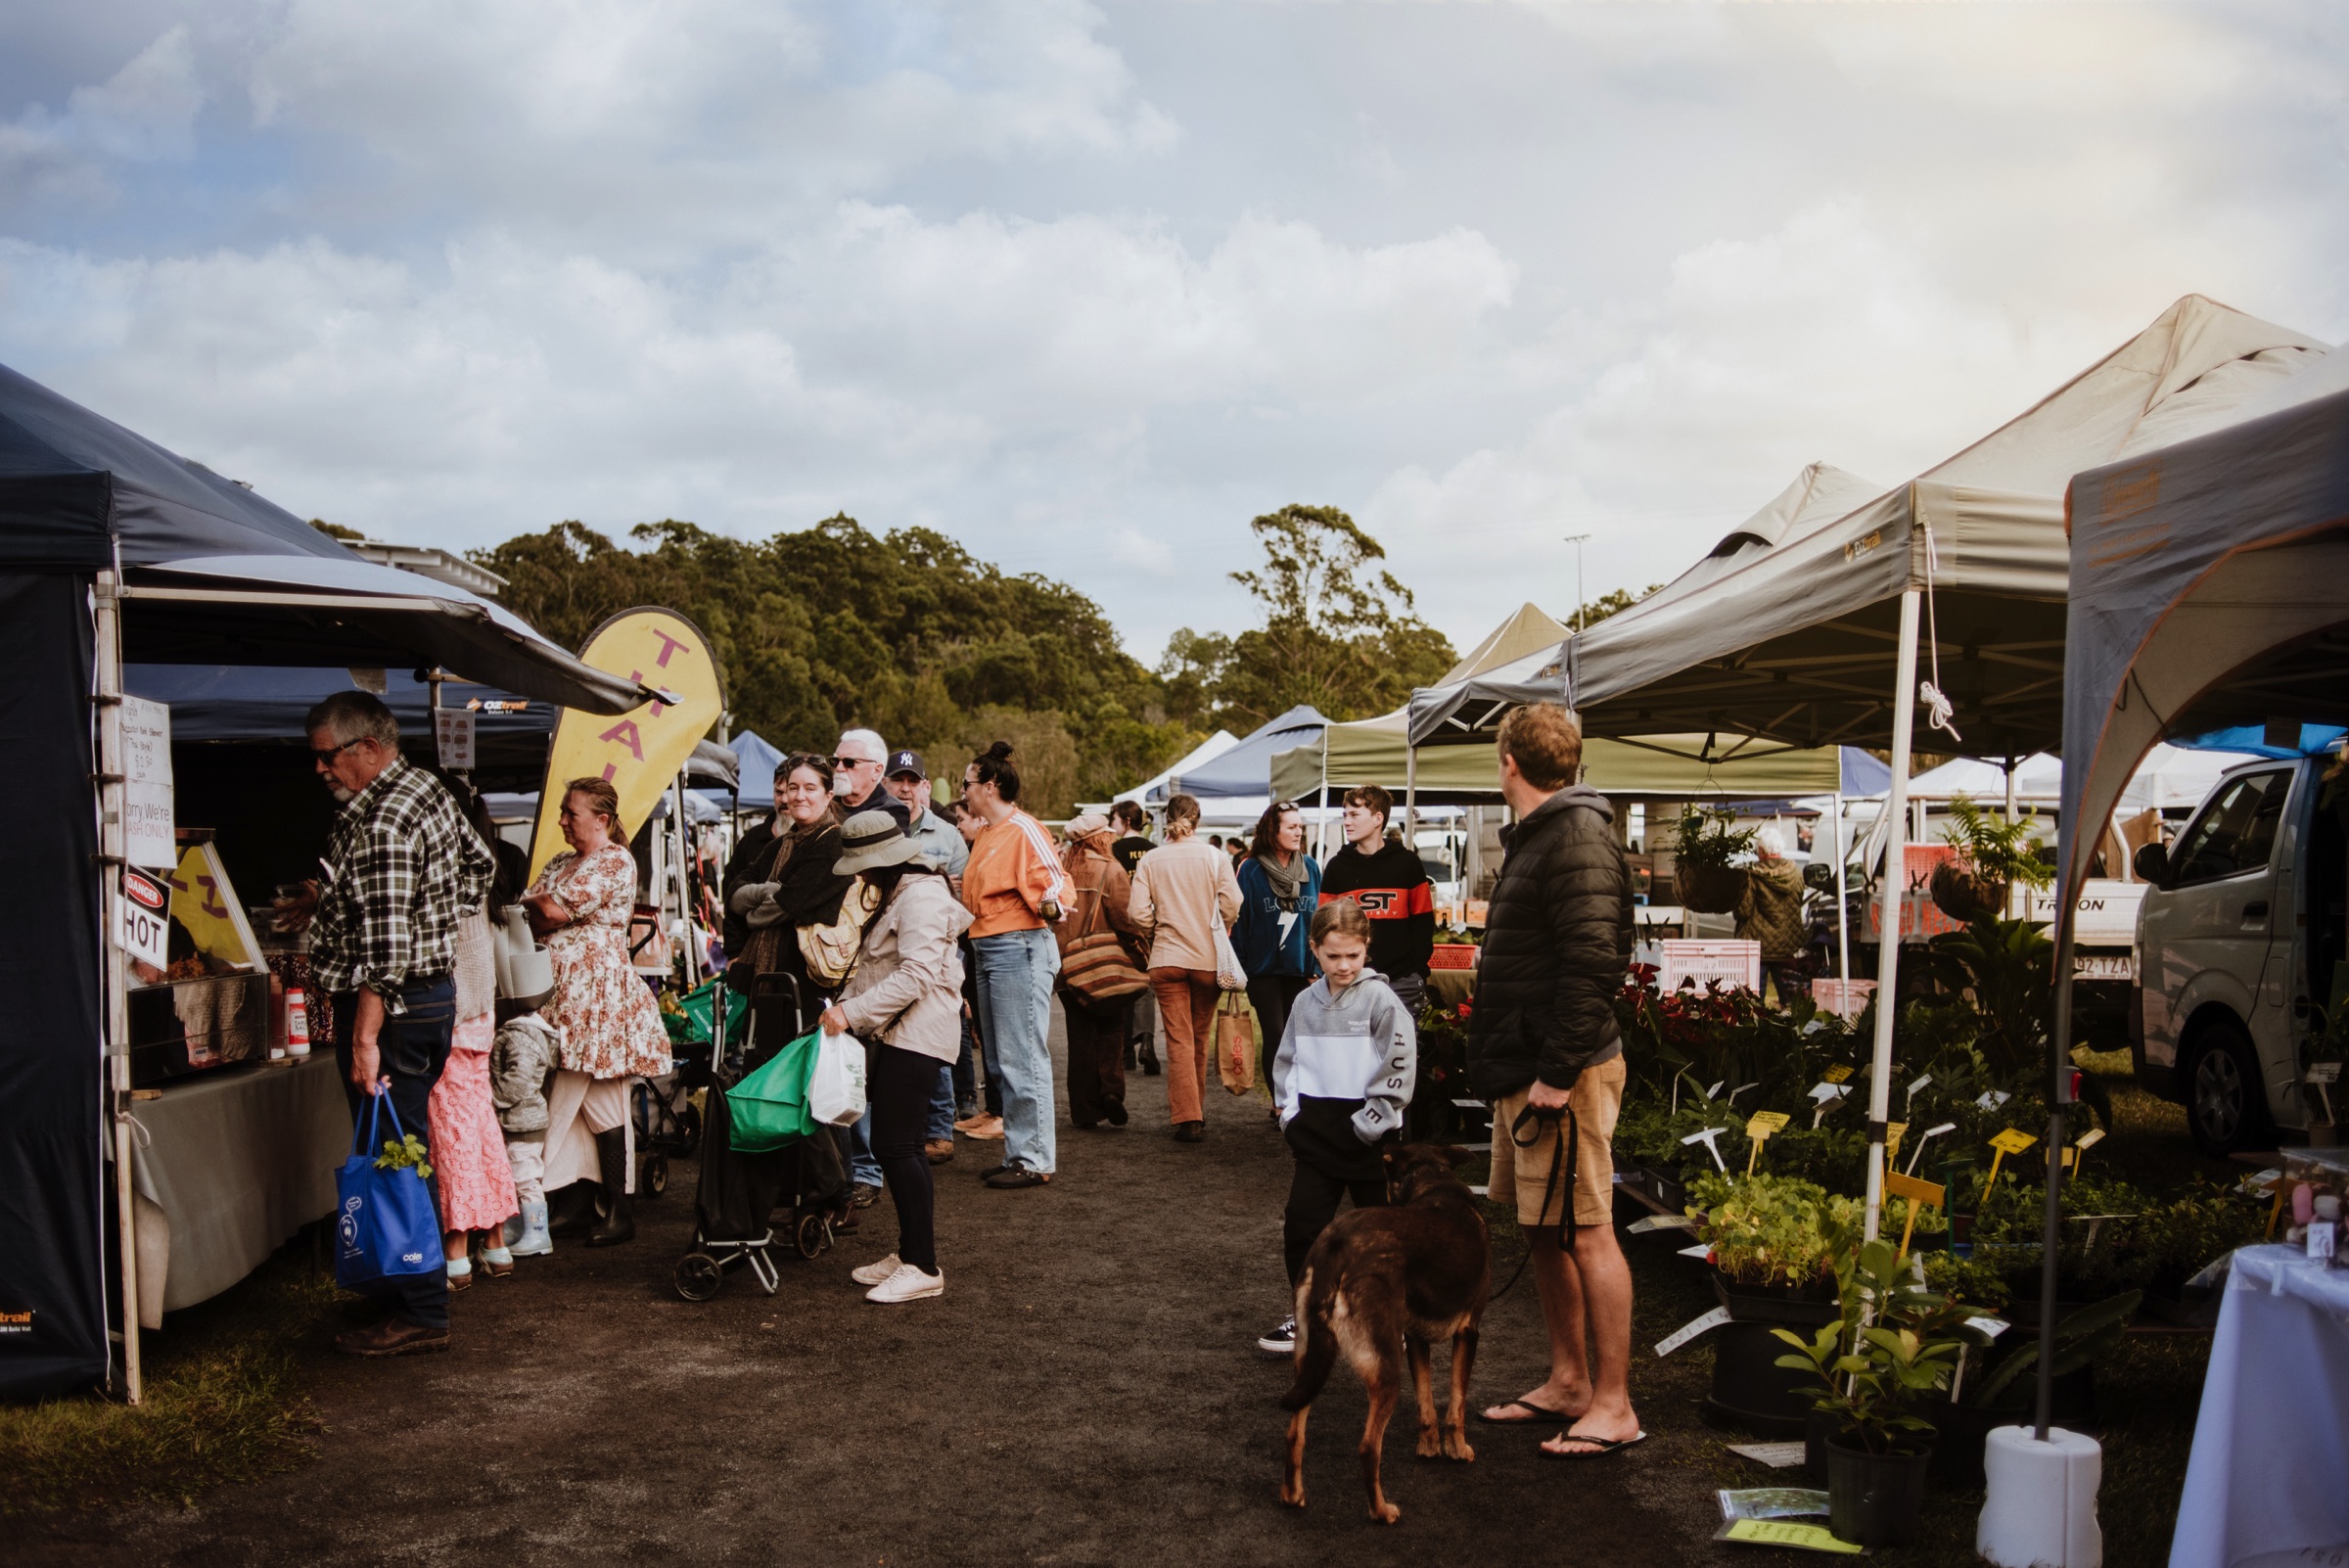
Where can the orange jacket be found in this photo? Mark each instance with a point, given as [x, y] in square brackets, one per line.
[1013, 871]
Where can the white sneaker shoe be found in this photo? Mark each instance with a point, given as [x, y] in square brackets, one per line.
[1282, 1341]
[909, 1283]
[873, 1273]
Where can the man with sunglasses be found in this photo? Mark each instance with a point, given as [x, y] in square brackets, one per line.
[857, 782]
[400, 865]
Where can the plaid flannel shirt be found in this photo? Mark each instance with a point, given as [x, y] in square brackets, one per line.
[400, 866]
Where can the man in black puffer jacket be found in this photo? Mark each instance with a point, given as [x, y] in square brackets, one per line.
[1544, 1050]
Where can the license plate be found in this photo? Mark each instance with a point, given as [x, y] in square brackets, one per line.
[2103, 966]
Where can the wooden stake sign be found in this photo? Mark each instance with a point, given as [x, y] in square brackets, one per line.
[1920, 1194]
[1758, 1128]
[2011, 1141]
[2085, 1142]
[1892, 1142]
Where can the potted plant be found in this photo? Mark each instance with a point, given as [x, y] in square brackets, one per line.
[1891, 1347]
[1710, 857]
[1771, 1241]
[1991, 856]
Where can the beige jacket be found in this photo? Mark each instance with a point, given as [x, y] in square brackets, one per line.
[1184, 893]
[906, 991]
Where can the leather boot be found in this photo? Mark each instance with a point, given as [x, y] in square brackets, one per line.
[612, 1160]
[572, 1211]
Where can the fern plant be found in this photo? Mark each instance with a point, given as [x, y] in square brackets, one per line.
[1994, 849]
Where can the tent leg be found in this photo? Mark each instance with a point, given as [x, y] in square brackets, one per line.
[1896, 887]
[1843, 904]
[2013, 894]
[2059, 1049]
[112, 844]
[1411, 797]
[685, 837]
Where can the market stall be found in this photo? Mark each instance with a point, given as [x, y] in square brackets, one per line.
[113, 549]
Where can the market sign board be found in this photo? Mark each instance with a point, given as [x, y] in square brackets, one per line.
[142, 919]
[147, 827]
[641, 752]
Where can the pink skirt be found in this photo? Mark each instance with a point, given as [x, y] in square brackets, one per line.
[469, 1148]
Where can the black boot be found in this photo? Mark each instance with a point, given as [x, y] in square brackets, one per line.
[571, 1210]
[612, 1160]
[1149, 1054]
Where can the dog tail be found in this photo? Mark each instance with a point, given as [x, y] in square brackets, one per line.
[1316, 1344]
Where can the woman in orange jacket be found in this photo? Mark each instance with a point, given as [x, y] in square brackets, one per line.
[1016, 890]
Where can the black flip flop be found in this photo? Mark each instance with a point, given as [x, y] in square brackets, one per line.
[1539, 1416]
[1599, 1448]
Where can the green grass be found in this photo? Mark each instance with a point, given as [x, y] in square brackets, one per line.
[223, 1401]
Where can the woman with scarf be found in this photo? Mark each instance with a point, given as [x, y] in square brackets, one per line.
[780, 880]
[1280, 887]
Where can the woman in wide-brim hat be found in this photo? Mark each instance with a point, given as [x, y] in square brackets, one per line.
[904, 1000]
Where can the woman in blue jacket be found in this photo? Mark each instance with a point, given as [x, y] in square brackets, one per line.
[1280, 887]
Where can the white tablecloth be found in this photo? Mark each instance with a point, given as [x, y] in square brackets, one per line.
[2270, 1470]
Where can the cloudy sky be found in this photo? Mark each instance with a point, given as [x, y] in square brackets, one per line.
[1090, 284]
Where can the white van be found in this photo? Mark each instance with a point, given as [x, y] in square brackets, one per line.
[2236, 940]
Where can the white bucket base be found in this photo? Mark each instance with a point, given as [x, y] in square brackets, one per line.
[2041, 1512]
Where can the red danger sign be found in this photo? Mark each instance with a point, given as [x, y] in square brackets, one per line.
[145, 892]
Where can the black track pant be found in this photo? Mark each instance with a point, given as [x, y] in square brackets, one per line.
[902, 1082]
[1313, 1196]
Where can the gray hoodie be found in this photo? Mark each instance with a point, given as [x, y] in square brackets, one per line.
[1360, 1049]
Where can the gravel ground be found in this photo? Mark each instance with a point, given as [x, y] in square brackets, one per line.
[1086, 1391]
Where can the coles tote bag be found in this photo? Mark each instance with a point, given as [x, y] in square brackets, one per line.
[386, 1229]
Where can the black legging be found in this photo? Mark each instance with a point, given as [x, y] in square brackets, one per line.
[1272, 996]
[901, 1085]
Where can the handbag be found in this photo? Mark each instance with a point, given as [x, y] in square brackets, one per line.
[385, 1227]
[830, 950]
[769, 1109]
[1235, 1042]
[647, 940]
[1093, 960]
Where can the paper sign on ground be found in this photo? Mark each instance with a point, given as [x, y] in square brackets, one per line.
[1778, 1455]
[1786, 1533]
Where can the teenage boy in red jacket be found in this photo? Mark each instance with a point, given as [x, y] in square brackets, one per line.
[1391, 885]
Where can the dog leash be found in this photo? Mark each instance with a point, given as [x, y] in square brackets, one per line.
[1564, 1153]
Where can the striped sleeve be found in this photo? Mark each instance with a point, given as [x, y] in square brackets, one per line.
[1040, 875]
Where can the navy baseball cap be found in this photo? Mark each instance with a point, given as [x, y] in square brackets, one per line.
[907, 762]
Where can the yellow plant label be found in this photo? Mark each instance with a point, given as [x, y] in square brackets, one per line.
[1931, 1193]
[1892, 1140]
[1761, 1124]
[2012, 1141]
[1837, 1073]
[1787, 1533]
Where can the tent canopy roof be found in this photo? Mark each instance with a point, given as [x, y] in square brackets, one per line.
[1798, 641]
[1528, 631]
[1152, 791]
[212, 568]
[1243, 767]
[2205, 589]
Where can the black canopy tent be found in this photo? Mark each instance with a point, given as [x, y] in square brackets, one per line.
[111, 545]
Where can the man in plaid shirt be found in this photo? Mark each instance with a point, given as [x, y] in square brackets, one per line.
[401, 864]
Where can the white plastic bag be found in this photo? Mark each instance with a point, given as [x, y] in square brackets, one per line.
[835, 1085]
[1228, 973]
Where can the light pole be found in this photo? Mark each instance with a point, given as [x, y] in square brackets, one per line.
[1577, 540]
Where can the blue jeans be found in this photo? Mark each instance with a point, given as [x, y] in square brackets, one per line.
[863, 1168]
[941, 1105]
[1015, 998]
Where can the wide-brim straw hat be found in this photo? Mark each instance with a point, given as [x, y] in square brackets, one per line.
[871, 840]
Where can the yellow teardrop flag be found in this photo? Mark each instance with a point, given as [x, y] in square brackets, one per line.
[640, 752]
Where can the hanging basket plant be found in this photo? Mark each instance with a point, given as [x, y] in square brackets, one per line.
[1992, 857]
[1709, 840]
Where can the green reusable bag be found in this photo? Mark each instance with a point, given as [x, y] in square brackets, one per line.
[769, 1109]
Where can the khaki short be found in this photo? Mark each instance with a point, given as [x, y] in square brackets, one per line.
[1521, 1175]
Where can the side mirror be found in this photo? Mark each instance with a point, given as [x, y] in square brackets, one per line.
[2151, 864]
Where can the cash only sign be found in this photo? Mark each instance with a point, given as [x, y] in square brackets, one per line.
[641, 752]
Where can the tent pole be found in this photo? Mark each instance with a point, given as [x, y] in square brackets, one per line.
[1843, 904]
[1896, 887]
[1321, 816]
[2059, 1050]
[2016, 892]
[112, 842]
[685, 840]
[1411, 797]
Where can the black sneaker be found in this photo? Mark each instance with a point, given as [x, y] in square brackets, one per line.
[1282, 1341]
[865, 1196]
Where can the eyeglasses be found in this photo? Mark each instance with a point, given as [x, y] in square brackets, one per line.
[852, 761]
[327, 759]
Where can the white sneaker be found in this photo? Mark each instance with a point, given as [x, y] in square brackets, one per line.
[909, 1283]
[873, 1273]
[1282, 1341]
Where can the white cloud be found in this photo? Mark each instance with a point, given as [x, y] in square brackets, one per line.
[143, 114]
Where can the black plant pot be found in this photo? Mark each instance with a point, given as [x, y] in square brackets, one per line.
[1750, 1389]
[1874, 1500]
[1959, 1432]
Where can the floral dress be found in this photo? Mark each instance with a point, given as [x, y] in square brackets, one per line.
[611, 1027]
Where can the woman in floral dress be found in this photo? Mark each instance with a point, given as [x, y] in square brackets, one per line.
[612, 1032]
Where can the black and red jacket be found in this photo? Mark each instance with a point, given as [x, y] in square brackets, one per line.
[1393, 889]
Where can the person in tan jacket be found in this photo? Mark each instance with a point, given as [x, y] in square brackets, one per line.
[1184, 896]
[904, 1001]
[1099, 894]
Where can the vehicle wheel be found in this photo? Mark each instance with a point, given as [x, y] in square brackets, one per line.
[689, 1126]
[2225, 1103]
[811, 1236]
[698, 1276]
[654, 1179]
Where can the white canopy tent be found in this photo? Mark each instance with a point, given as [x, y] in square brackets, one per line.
[1199, 755]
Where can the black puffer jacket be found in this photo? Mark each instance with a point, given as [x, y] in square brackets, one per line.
[1557, 941]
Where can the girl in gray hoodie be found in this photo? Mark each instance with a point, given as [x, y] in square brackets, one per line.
[1341, 1080]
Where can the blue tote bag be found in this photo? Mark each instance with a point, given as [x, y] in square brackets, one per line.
[386, 1229]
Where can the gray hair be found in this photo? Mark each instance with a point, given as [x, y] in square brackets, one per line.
[354, 715]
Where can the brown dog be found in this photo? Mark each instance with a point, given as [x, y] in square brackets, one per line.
[1378, 1280]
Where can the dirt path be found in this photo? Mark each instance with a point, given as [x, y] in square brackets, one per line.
[1088, 1391]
